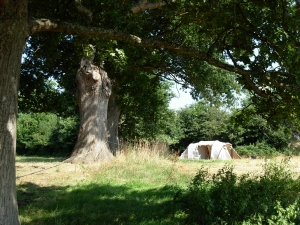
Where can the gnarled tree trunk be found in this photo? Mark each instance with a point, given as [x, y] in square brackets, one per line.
[113, 115]
[13, 27]
[93, 92]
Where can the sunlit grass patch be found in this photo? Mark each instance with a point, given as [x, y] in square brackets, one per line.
[137, 187]
[38, 159]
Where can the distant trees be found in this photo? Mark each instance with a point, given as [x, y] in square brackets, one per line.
[46, 134]
[144, 116]
[202, 121]
[49, 134]
[253, 128]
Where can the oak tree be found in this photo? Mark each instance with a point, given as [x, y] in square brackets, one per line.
[257, 40]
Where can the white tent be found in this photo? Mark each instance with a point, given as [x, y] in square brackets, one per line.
[210, 150]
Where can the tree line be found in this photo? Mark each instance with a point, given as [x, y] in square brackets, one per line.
[52, 135]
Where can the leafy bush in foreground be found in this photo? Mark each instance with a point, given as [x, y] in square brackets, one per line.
[226, 198]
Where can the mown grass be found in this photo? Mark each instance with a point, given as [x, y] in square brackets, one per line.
[137, 187]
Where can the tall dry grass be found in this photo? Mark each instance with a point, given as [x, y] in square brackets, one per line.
[143, 151]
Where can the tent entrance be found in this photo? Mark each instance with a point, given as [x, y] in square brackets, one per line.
[204, 151]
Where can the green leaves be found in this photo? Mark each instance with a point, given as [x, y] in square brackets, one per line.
[230, 44]
[46, 134]
[35, 131]
[118, 58]
[227, 198]
[200, 121]
[88, 51]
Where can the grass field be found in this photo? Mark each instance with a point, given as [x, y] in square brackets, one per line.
[135, 188]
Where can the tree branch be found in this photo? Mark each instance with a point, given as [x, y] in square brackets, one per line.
[261, 92]
[164, 72]
[145, 5]
[216, 41]
[83, 10]
[45, 25]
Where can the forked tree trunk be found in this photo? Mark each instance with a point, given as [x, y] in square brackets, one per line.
[13, 27]
[93, 92]
[113, 115]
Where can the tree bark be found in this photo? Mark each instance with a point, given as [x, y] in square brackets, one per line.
[13, 26]
[93, 92]
[113, 115]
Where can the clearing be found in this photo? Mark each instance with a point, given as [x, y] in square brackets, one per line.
[128, 190]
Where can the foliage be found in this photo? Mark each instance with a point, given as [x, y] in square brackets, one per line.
[261, 149]
[249, 127]
[250, 133]
[200, 121]
[145, 115]
[49, 85]
[64, 136]
[226, 198]
[45, 134]
[40, 133]
[35, 131]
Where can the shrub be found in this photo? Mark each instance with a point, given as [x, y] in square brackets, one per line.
[46, 134]
[34, 132]
[226, 198]
[259, 149]
[64, 136]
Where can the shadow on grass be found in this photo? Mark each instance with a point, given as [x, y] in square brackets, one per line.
[38, 159]
[95, 204]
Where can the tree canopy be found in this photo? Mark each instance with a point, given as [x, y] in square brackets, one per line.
[257, 40]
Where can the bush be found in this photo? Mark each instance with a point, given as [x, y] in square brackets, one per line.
[45, 134]
[64, 136]
[261, 149]
[247, 127]
[34, 132]
[225, 198]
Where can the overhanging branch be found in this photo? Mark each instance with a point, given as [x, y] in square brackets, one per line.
[83, 9]
[145, 5]
[45, 25]
[252, 85]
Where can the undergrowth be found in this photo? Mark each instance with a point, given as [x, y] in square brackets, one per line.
[226, 198]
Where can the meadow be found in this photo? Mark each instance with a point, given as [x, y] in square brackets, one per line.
[138, 187]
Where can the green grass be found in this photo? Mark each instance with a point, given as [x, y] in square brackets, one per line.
[38, 159]
[96, 203]
[135, 188]
[121, 192]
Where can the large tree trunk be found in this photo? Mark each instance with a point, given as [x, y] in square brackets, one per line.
[93, 92]
[113, 115]
[13, 27]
